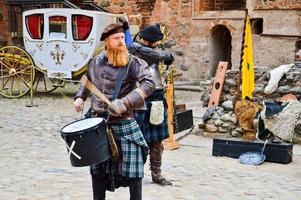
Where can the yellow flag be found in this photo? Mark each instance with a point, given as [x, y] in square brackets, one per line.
[247, 68]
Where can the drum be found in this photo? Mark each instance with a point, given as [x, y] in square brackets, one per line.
[86, 141]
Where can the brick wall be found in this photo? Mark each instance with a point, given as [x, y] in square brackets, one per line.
[207, 5]
[131, 7]
[193, 36]
[4, 34]
[120, 6]
[278, 4]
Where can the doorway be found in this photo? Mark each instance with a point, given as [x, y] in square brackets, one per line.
[220, 48]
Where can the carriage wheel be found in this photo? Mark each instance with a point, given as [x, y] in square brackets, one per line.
[43, 84]
[16, 69]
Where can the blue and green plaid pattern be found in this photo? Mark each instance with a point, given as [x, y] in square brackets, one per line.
[131, 140]
[129, 137]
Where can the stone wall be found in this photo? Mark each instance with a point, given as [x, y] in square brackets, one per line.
[271, 52]
[289, 83]
[131, 7]
[278, 4]
[224, 121]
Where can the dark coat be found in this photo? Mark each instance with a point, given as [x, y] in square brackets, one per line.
[104, 76]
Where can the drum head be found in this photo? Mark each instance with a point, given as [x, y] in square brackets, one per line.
[81, 125]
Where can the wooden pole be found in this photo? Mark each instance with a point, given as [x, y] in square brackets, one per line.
[238, 96]
[171, 143]
[90, 86]
[32, 68]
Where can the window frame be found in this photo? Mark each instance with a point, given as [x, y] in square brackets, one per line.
[43, 26]
[65, 24]
[72, 27]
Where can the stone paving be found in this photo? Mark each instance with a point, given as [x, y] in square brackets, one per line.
[34, 163]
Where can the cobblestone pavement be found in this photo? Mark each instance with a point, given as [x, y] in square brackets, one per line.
[34, 164]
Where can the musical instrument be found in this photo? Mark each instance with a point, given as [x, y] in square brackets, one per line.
[86, 141]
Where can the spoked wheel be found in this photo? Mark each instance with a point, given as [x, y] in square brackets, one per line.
[16, 69]
[43, 84]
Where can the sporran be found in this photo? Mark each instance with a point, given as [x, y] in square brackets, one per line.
[157, 113]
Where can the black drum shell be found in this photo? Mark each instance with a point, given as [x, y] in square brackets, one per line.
[90, 144]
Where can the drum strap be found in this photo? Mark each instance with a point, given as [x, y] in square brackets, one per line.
[113, 145]
[120, 79]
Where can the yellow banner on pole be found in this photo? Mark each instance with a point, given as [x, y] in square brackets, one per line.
[247, 68]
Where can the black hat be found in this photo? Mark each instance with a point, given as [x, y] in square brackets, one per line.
[113, 28]
[151, 33]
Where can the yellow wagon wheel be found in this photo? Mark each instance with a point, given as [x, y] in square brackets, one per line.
[16, 69]
[43, 84]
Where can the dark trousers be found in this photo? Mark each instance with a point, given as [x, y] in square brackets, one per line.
[99, 188]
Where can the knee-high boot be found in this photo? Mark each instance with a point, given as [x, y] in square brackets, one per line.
[156, 150]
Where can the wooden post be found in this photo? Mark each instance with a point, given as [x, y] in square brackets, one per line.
[218, 84]
[238, 95]
[171, 144]
[31, 104]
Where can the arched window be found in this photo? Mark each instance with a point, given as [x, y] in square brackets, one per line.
[81, 26]
[35, 25]
[57, 27]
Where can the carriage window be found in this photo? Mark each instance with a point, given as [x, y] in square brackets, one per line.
[81, 26]
[57, 27]
[35, 25]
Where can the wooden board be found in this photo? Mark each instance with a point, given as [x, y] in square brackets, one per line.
[275, 152]
[218, 84]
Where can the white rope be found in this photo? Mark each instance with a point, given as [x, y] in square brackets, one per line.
[72, 152]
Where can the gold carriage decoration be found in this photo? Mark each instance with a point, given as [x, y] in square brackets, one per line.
[59, 43]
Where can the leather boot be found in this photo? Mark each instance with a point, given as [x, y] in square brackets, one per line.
[156, 150]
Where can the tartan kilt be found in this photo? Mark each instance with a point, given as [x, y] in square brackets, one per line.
[152, 133]
[134, 152]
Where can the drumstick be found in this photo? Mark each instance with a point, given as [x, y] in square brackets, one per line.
[90, 86]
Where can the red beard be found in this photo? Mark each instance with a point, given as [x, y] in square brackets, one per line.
[119, 56]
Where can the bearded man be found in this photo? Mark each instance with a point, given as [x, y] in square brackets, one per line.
[104, 72]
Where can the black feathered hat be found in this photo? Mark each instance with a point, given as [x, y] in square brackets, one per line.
[151, 33]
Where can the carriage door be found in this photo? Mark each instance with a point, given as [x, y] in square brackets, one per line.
[83, 44]
[58, 46]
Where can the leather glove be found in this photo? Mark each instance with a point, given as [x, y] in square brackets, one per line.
[117, 107]
[168, 59]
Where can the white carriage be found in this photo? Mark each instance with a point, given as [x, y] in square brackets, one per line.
[59, 43]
